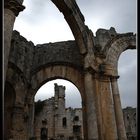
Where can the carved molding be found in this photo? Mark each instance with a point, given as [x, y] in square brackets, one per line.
[14, 5]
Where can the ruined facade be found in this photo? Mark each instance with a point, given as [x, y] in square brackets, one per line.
[89, 62]
[62, 123]
[67, 123]
[130, 121]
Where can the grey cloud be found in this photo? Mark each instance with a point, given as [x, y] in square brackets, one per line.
[120, 14]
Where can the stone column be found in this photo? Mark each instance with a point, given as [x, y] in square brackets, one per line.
[90, 108]
[107, 110]
[11, 10]
[98, 107]
[118, 109]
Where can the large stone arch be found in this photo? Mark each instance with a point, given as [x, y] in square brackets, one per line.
[62, 72]
[97, 79]
[75, 20]
[58, 71]
[116, 47]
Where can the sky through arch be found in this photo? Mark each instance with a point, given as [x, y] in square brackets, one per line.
[72, 94]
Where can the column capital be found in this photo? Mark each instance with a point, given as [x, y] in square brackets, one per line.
[14, 5]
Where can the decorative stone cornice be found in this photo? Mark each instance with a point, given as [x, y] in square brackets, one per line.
[14, 5]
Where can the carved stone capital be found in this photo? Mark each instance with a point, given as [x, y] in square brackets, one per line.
[14, 5]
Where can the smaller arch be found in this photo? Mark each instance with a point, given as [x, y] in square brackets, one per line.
[116, 47]
[116, 38]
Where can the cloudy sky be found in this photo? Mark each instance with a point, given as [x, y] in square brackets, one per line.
[41, 22]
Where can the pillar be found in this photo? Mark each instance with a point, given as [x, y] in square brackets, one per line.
[92, 132]
[107, 110]
[11, 10]
[98, 107]
[118, 110]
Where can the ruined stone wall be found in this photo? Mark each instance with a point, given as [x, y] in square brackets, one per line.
[130, 121]
[47, 112]
[30, 66]
[28, 57]
[61, 121]
[21, 53]
[62, 53]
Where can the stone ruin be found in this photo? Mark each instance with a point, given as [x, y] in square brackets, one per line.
[89, 62]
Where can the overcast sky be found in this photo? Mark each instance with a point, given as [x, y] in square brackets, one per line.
[41, 22]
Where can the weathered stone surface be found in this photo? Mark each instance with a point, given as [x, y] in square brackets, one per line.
[28, 67]
[130, 121]
[61, 121]
[59, 53]
[21, 53]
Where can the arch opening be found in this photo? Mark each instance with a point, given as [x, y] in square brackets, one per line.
[60, 106]
[127, 69]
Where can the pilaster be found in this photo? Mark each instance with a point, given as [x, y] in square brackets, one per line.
[11, 10]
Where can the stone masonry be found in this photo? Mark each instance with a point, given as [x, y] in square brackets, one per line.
[67, 123]
[62, 123]
[90, 62]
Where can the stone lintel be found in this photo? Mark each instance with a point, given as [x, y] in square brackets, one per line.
[14, 5]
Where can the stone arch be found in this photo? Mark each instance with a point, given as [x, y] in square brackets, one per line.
[71, 74]
[58, 71]
[75, 20]
[116, 47]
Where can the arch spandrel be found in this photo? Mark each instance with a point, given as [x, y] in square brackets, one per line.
[114, 50]
[59, 53]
